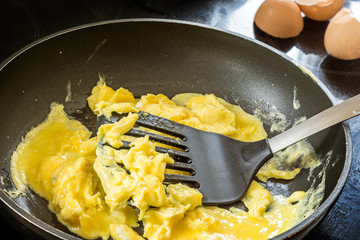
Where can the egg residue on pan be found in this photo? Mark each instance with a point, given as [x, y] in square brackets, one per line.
[98, 190]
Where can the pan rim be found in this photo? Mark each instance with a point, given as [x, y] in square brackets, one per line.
[30, 220]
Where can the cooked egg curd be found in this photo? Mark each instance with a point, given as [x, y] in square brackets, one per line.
[97, 189]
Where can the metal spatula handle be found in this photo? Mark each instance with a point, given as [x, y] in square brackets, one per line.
[331, 116]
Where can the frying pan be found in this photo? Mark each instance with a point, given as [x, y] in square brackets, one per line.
[157, 56]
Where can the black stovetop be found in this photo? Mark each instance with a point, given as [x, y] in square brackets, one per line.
[24, 21]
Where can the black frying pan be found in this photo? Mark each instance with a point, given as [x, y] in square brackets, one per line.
[155, 56]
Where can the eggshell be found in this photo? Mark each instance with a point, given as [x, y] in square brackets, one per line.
[279, 18]
[342, 36]
[320, 10]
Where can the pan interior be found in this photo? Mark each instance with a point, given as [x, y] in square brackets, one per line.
[155, 57]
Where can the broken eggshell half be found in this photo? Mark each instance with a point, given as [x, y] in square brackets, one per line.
[342, 36]
[320, 10]
[279, 18]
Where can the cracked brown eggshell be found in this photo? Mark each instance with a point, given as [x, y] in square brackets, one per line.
[279, 18]
[320, 10]
[342, 36]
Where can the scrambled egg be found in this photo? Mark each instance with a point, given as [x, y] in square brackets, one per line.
[98, 189]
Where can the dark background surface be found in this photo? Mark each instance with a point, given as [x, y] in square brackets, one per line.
[24, 21]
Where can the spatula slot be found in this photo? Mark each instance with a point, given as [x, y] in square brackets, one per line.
[158, 138]
[185, 179]
[178, 156]
[182, 167]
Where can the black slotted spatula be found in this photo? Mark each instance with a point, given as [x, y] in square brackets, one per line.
[220, 167]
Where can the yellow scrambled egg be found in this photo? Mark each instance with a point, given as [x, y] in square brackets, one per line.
[99, 190]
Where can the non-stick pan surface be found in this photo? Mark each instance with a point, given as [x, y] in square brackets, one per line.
[155, 56]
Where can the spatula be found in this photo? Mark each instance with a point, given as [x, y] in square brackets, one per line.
[220, 167]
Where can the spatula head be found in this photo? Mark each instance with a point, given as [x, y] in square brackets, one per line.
[221, 167]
